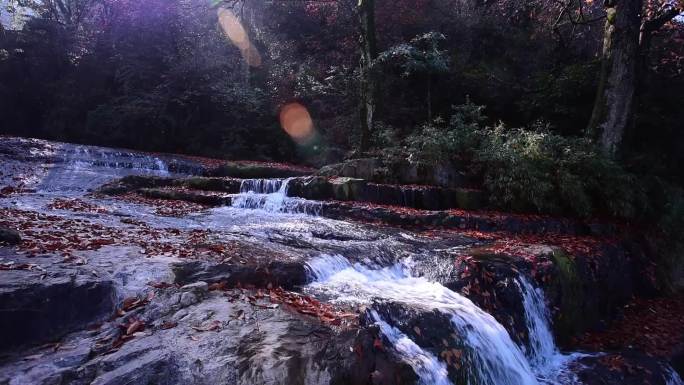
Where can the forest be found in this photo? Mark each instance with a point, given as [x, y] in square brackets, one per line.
[470, 192]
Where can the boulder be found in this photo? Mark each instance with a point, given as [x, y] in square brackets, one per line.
[227, 185]
[347, 189]
[311, 187]
[366, 168]
[9, 236]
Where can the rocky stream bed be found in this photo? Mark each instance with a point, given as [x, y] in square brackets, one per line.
[125, 268]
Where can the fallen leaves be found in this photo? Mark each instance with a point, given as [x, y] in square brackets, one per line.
[651, 325]
[311, 306]
[211, 326]
[165, 207]
[77, 205]
[43, 234]
[20, 266]
[128, 332]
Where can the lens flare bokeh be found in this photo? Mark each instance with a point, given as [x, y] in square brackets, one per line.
[237, 34]
[296, 121]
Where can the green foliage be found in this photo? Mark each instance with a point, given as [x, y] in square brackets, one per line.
[544, 172]
[421, 55]
[436, 141]
[530, 169]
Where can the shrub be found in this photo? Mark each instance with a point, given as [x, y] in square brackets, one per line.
[530, 169]
[544, 172]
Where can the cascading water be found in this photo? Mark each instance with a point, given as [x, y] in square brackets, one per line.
[544, 357]
[79, 168]
[673, 378]
[429, 369]
[496, 360]
[271, 195]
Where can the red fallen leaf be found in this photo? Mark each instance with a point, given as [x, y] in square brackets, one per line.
[218, 286]
[377, 344]
[212, 326]
[168, 325]
[134, 327]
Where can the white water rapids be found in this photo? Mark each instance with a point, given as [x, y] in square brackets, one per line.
[497, 359]
[271, 195]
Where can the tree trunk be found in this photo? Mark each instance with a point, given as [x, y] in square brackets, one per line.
[369, 53]
[615, 96]
[429, 97]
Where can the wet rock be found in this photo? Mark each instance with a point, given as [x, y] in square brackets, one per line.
[200, 197]
[492, 284]
[347, 189]
[214, 341]
[396, 172]
[9, 236]
[314, 187]
[356, 168]
[37, 309]
[623, 368]
[256, 171]
[430, 329]
[227, 185]
[285, 274]
[134, 182]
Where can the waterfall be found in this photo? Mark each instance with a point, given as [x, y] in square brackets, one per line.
[80, 168]
[429, 369]
[271, 195]
[496, 359]
[673, 378]
[545, 359]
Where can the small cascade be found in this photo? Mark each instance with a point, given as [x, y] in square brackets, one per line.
[546, 360]
[542, 345]
[429, 369]
[80, 168]
[271, 195]
[673, 378]
[496, 360]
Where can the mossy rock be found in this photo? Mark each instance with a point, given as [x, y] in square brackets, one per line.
[468, 199]
[187, 196]
[134, 182]
[571, 318]
[231, 186]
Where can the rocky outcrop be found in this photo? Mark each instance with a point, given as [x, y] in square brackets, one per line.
[226, 185]
[134, 182]
[396, 172]
[38, 307]
[200, 197]
[274, 273]
[623, 368]
[256, 171]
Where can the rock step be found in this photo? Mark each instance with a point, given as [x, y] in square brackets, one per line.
[37, 307]
[316, 188]
[207, 198]
[256, 171]
[412, 196]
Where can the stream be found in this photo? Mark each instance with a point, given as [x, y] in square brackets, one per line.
[372, 269]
